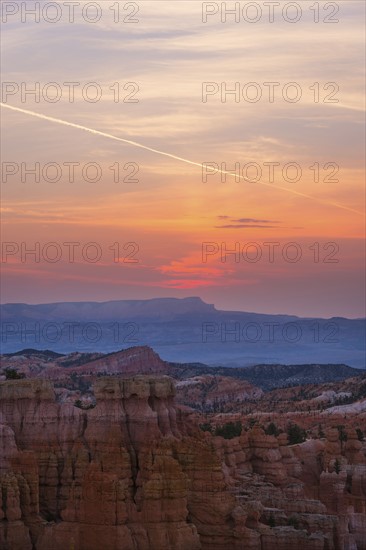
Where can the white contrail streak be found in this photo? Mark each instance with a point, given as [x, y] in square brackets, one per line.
[175, 157]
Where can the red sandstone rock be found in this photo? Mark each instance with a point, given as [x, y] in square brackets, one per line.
[135, 473]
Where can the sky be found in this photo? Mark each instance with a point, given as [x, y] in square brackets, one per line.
[281, 232]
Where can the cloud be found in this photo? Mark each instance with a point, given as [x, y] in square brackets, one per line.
[244, 226]
[254, 220]
[247, 223]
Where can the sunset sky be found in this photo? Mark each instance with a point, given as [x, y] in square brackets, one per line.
[169, 212]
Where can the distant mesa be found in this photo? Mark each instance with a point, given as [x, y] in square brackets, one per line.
[183, 330]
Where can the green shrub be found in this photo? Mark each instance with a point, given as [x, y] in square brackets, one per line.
[342, 433]
[272, 429]
[229, 430]
[206, 427]
[78, 403]
[12, 374]
[293, 522]
[295, 434]
[271, 521]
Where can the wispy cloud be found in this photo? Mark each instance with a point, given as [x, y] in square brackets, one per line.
[243, 226]
[253, 220]
[247, 223]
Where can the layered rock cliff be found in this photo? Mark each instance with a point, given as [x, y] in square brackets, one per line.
[136, 473]
[126, 474]
[215, 393]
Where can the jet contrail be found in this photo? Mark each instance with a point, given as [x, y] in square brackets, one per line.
[175, 157]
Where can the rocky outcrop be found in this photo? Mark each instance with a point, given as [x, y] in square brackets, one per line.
[122, 475]
[128, 362]
[215, 393]
[288, 488]
[132, 361]
[136, 473]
